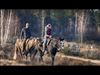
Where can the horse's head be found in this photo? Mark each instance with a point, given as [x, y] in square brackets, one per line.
[58, 43]
[61, 43]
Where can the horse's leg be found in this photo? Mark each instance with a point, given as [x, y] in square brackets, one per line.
[53, 54]
[41, 55]
[33, 55]
[30, 53]
[20, 53]
[15, 55]
[52, 57]
[26, 56]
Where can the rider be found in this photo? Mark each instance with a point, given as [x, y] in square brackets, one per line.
[25, 35]
[47, 36]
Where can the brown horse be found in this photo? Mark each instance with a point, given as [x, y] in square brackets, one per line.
[25, 47]
[54, 45]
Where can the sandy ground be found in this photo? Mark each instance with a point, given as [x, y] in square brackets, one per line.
[60, 59]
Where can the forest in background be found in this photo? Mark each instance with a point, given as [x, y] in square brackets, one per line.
[71, 24]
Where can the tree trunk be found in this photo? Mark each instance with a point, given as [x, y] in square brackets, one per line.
[48, 17]
[9, 22]
[86, 25]
[8, 26]
[2, 16]
[42, 19]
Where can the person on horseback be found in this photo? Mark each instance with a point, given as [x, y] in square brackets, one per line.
[47, 37]
[25, 35]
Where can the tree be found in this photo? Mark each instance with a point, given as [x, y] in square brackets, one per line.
[2, 28]
[8, 23]
[86, 24]
[42, 19]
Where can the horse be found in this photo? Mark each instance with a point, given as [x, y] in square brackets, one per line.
[25, 47]
[54, 46]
